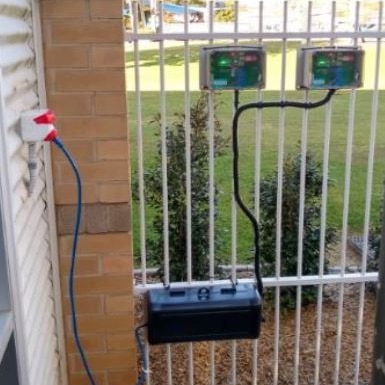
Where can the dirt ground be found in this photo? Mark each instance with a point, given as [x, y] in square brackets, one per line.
[265, 350]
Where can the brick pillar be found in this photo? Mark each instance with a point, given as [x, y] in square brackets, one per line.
[85, 81]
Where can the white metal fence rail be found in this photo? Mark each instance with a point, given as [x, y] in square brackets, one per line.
[210, 32]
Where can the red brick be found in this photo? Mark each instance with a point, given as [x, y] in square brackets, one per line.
[105, 324]
[96, 218]
[111, 9]
[92, 127]
[64, 9]
[71, 32]
[108, 56]
[110, 104]
[121, 303]
[71, 104]
[117, 264]
[92, 343]
[114, 192]
[80, 149]
[97, 243]
[103, 285]
[112, 149]
[121, 377]
[82, 378]
[120, 341]
[85, 77]
[91, 304]
[91, 80]
[97, 171]
[85, 265]
[119, 217]
[65, 193]
[66, 56]
[110, 360]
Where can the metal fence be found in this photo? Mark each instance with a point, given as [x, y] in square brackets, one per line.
[261, 23]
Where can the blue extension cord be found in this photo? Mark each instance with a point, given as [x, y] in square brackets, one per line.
[71, 274]
[71, 288]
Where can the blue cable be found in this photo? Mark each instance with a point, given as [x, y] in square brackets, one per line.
[71, 288]
[71, 274]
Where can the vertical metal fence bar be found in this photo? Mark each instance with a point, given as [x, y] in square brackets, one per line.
[325, 175]
[258, 133]
[234, 231]
[281, 149]
[345, 219]
[368, 197]
[187, 128]
[188, 175]
[139, 144]
[345, 224]
[343, 262]
[257, 180]
[210, 16]
[211, 126]
[212, 218]
[233, 220]
[301, 219]
[163, 135]
[324, 200]
[139, 149]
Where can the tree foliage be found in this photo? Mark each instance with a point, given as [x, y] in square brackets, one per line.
[176, 178]
[290, 224]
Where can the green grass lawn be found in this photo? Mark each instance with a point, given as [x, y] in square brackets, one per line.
[223, 172]
[150, 102]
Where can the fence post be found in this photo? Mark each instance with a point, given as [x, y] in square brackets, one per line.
[378, 370]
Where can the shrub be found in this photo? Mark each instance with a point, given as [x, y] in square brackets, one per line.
[176, 167]
[290, 217]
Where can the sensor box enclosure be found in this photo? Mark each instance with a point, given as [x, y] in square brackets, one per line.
[329, 68]
[232, 67]
[203, 313]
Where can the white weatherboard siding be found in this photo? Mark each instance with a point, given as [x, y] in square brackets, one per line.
[31, 265]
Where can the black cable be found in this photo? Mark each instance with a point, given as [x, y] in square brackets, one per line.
[144, 368]
[71, 274]
[237, 196]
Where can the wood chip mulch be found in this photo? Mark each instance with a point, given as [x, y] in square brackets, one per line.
[265, 356]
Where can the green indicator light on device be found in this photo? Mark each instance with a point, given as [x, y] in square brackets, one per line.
[232, 67]
[330, 68]
[223, 61]
[321, 61]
